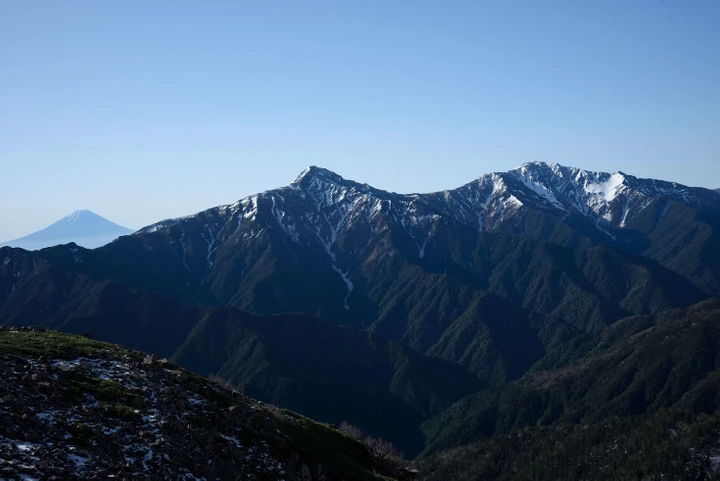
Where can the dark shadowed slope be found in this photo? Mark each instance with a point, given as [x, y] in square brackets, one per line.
[296, 361]
[444, 304]
[639, 365]
[326, 371]
[665, 445]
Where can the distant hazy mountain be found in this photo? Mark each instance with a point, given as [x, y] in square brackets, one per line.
[83, 227]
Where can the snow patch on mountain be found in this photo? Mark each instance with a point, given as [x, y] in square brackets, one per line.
[348, 283]
[526, 176]
[211, 244]
[608, 189]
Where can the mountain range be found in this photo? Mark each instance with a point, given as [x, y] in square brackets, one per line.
[82, 227]
[408, 315]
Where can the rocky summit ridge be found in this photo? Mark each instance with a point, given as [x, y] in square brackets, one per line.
[320, 205]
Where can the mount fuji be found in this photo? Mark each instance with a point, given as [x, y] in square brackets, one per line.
[83, 227]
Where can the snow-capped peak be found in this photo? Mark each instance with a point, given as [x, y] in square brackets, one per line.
[318, 173]
[570, 188]
[537, 164]
[77, 215]
[554, 179]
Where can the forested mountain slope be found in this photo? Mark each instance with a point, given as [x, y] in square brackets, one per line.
[639, 365]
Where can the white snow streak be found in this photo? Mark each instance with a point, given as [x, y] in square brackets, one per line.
[211, 247]
[183, 243]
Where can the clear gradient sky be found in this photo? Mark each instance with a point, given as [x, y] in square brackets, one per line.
[146, 109]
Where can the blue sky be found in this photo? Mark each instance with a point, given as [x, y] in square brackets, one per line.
[142, 110]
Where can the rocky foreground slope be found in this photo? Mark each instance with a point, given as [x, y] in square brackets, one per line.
[74, 408]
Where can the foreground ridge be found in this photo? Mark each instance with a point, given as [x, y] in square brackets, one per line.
[76, 408]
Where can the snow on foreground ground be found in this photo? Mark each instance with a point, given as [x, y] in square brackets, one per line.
[113, 413]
